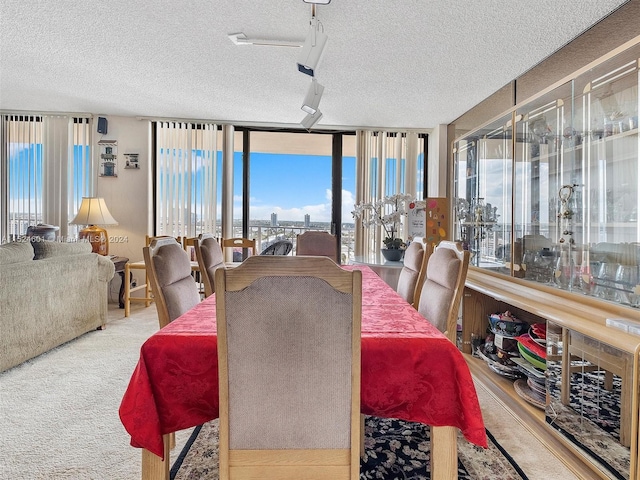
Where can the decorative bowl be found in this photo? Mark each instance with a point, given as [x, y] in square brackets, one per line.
[507, 326]
[392, 254]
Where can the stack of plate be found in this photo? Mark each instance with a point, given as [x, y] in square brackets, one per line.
[532, 348]
[501, 346]
[498, 363]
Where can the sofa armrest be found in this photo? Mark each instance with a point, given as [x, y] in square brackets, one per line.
[106, 268]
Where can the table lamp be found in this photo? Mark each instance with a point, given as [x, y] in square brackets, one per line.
[93, 212]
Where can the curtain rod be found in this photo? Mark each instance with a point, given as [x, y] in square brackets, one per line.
[41, 113]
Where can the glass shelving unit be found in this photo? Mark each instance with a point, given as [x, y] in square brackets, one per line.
[546, 199]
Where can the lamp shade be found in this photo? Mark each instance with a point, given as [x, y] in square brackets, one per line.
[93, 211]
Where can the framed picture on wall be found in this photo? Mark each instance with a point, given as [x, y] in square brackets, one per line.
[108, 158]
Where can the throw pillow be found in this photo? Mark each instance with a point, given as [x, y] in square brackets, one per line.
[45, 249]
[15, 252]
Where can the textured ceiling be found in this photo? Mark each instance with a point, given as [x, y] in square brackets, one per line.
[398, 64]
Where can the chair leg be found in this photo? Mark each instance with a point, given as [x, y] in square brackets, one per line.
[147, 290]
[127, 288]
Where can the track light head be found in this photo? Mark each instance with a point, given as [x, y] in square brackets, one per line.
[312, 99]
[312, 49]
[310, 120]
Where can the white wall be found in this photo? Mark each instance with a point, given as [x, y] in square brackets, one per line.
[128, 195]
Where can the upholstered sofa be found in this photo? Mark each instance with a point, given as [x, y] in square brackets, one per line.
[50, 293]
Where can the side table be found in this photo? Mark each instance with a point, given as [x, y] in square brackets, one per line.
[119, 263]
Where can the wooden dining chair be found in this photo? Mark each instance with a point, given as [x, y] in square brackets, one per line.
[169, 269]
[316, 243]
[412, 273]
[441, 291]
[147, 297]
[210, 258]
[288, 331]
[239, 242]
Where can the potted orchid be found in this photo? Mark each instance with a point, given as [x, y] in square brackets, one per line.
[386, 212]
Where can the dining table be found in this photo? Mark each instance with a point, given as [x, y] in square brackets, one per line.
[409, 371]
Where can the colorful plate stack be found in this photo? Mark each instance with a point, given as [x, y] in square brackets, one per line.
[533, 363]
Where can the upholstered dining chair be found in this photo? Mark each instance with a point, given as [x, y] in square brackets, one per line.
[239, 242]
[169, 269]
[210, 258]
[289, 369]
[412, 273]
[145, 287]
[317, 243]
[442, 289]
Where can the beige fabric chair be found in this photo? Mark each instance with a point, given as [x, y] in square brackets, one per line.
[289, 369]
[210, 258]
[412, 273]
[169, 269]
[239, 242]
[317, 243]
[442, 289]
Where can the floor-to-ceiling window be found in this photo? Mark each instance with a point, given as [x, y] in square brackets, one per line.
[46, 169]
[283, 183]
[186, 178]
[290, 185]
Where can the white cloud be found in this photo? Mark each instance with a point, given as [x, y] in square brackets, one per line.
[318, 212]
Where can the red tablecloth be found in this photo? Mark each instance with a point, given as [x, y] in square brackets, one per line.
[409, 371]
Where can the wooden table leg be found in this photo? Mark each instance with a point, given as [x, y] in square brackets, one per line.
[444, 453]
[153, 467]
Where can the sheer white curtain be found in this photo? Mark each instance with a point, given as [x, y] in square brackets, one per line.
[386, 164]
[46, 169]
[186, 178]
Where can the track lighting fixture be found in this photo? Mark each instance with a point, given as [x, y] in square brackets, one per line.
[241, 39]
[311, 119]
[312, 100]
[312, 49]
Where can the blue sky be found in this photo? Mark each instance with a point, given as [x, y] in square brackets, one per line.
[292, 186]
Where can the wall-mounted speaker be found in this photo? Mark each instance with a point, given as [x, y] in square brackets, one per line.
[102, 125]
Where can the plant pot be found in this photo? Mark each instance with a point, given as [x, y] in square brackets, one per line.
[392, 254]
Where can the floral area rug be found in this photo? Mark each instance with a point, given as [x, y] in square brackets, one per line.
[394, 450]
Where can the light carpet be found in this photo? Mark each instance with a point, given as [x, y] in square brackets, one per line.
[59, 411]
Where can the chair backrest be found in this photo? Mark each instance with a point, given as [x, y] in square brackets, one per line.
[412, 273]
[239, 242]
[288, 331]
[316, 243]
[210, 258]
[442, 289]
[174, 289]
[189, 245]
[281, 247]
